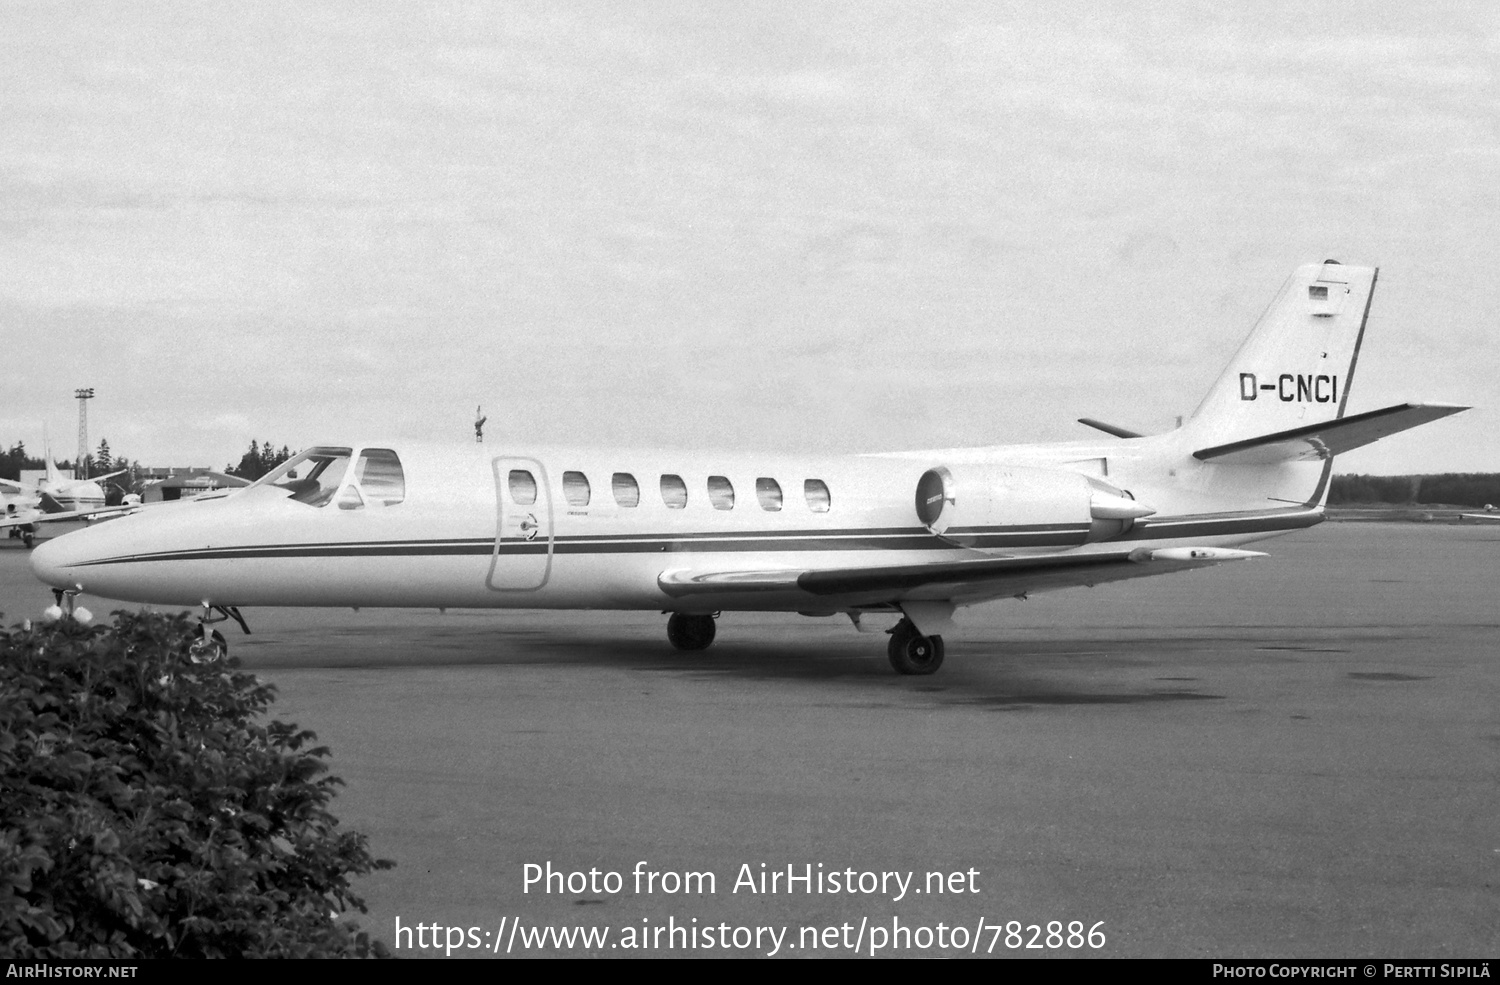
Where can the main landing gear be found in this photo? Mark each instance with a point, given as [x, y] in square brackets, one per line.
[909, 651]
[912, 653]
[690, 632]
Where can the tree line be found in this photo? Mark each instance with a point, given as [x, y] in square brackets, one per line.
[258, 460]
[1450, 488]
[261, 458]
[97, 462]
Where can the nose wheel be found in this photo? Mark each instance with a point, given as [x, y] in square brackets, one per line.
[208, 647]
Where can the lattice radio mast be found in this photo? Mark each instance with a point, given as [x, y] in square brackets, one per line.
[84, 395]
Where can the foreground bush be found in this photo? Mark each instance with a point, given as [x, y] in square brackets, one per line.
[147, 811]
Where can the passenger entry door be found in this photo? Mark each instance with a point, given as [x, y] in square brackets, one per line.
[522, 561]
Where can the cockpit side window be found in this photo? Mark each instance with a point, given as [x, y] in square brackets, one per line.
[313, 476]
[380, 476]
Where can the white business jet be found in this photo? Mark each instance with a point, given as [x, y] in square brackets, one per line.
[896, 542]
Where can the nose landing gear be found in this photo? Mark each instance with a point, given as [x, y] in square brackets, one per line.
[210, 645]
[208, 648]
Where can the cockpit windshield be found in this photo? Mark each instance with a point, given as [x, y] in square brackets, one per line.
[312, 477]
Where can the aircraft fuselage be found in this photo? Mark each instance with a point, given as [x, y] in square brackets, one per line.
[604, 526]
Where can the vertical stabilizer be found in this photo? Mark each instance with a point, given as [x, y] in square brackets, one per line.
[1296, 367]
[54, 477]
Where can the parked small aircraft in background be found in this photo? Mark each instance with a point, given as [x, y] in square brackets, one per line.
[896, 542]
[52, 498]
[20, 519]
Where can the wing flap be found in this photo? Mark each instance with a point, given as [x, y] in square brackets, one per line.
[1321, 441]
[966, 580]
[1075, 569]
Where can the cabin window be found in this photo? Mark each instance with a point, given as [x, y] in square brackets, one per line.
[816, 491]
[522, 487]
[627, 493]
[673, 492]
[720, 492]
[311, 477]
[576, 488]
[768, 491]
[380, 477]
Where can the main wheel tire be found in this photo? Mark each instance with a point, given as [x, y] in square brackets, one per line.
[690, 632]
[912, 653]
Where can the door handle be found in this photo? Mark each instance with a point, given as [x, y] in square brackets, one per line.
[529, 526]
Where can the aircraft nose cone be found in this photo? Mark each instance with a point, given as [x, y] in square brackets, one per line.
[50, 562]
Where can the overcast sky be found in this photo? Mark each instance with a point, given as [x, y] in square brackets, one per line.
[800, 226]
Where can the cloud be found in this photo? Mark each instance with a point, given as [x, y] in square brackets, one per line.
[290, 218]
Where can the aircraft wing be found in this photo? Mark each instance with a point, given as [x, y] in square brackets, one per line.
[37, 516]
[1320, 441]
[962, 582]
[1489, 517]
[81, 482]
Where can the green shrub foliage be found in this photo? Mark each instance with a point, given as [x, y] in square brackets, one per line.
[148, 810]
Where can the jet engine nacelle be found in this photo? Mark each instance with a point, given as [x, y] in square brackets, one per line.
[958, 504]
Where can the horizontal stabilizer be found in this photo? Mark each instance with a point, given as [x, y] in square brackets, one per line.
[1325, 440]
[1118, 432]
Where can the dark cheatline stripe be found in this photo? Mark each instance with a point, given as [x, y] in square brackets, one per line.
[1063, 536]
[331, 549]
